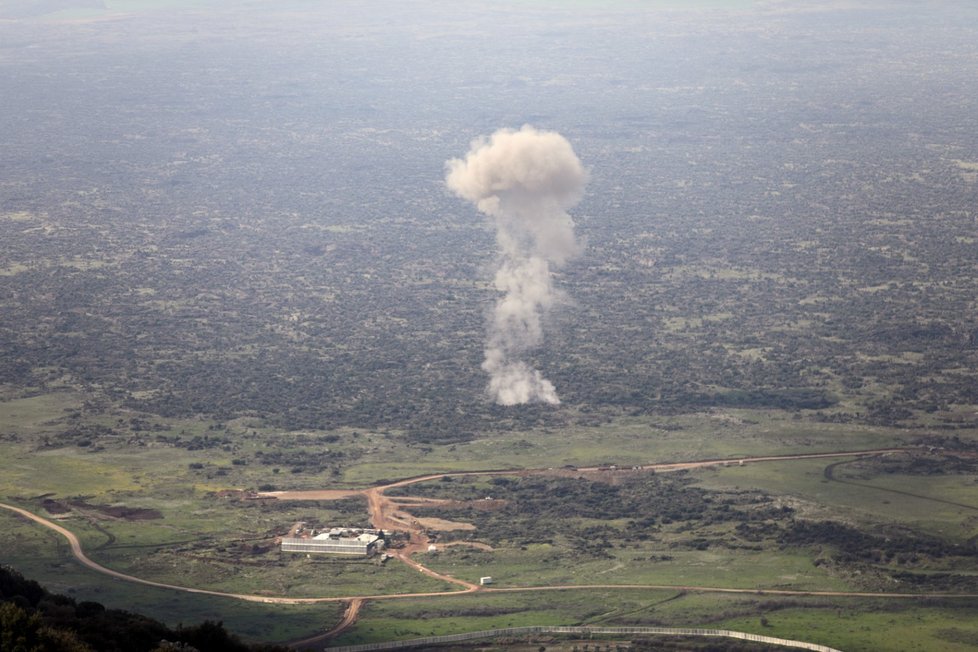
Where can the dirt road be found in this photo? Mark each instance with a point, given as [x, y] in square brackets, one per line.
[356, 602]
[348, 620]
[79, 554]
[381, 510]
[380, 507]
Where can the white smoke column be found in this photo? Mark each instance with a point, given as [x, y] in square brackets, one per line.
[525, 181]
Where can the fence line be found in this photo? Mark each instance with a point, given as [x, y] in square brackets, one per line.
[522, 631]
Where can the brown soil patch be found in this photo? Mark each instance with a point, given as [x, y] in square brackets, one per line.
[442, 525]
[230, 493]
[412, 501]
[314, 494]
[469, 544]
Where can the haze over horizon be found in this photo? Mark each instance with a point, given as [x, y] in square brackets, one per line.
[325, 246]
[292, 157]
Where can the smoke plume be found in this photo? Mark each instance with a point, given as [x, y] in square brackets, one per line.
[524, 181]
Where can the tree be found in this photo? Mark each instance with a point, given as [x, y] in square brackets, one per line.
[19, 630]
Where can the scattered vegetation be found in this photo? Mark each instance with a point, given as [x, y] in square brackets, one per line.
[230, 271]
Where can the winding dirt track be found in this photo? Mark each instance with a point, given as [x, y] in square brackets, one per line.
[348, 620]
[350, 615]
[381, 508]
[79, 554]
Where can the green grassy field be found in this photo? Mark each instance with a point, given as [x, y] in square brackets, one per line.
[539, 565]
[426, 616]
[191, 472]
[805, 481]
[39, 553]
[631, 440]
[874, 628]
[855, 625]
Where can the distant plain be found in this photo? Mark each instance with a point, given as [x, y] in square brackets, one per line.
[229, 264]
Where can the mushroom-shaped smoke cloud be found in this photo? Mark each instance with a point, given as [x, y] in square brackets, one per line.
[525, 181]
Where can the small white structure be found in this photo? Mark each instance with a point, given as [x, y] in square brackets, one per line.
[485, 581]
[432, 547]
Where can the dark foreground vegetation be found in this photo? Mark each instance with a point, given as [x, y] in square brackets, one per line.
[34, 620]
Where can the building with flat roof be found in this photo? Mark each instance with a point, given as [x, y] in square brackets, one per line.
[337, 541]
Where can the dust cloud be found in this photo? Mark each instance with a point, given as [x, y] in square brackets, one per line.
[525, 181]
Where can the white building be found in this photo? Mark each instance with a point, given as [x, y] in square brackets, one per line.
[337, 541]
